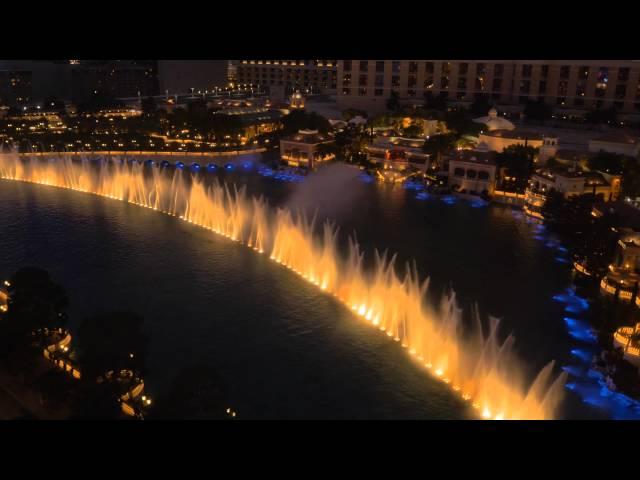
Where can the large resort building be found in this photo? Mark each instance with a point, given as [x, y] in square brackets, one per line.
[570, 86]
[284, 77]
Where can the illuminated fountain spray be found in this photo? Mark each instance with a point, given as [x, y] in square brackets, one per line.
[477, 365]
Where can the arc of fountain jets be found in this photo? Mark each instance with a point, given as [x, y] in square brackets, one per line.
[479, 368]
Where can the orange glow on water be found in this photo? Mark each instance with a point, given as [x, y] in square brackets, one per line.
[476, 366]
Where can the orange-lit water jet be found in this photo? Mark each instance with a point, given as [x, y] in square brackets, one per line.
[476, 366]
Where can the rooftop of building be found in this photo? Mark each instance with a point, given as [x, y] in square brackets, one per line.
[310, 137]
[474, 156]
[591, 177]
[516, 134]
[617, 137]
[570, 154]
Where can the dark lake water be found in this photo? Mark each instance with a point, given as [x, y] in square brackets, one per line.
[284, 350]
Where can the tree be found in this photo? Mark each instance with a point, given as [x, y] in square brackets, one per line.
[301, 120]
[148, 106]
[607, 162]
[112, 341]
[53, 103]
[618, 164]
[597, 247]
[35, 302]
[352, 112]
[517, 162]
[393, 102]
[197, 392]
[437, 102]
[459, 122]
[538, 110]
[413, 130]
[481, 106]
[608, 115]
[95, 401]
[439, 144]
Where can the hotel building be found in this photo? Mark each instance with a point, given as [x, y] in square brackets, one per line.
[288, 76]
[571, 86]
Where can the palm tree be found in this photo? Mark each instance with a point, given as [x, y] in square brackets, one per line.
[438, 144]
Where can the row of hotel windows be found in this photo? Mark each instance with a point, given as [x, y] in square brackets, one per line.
[479, 85]
[482, 69]
[462, 95]
[315, 63]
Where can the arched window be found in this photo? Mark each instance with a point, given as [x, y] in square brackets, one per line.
[471, 174]
[483, 175]
[459, 172]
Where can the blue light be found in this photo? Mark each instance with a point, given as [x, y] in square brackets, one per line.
[212, 167]
[538, 237]
[195, 167]
[562, 249]
[229, 167]
[573, 370]
[179, 165]
[582, 354]
[561, 260]
[165, 163]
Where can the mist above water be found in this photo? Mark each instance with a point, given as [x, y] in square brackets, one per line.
[329, 192]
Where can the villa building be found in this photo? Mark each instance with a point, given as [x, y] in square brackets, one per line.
[396, 155]
[473, 172]
[498, 140]
[570, 183]
[628, 339]
[624, 273]
[302, 149]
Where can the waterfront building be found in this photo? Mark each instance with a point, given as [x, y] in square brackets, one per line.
[569, 86]
[569, 182]
[396, 156]
[303, 149]
[624, 273]
[616, 142]
[628, 339]
[498, 140]
[473, 172]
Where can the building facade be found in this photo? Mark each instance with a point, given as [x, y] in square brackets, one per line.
[570, 183]
[307, 76]
[473, 172]
[567, 85]
[181, 76]
[15, 88]
[303, 149]
[117, 78]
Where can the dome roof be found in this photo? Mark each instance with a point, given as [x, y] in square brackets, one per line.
[494, 122]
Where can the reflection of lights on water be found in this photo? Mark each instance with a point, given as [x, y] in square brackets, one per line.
[229, 224]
